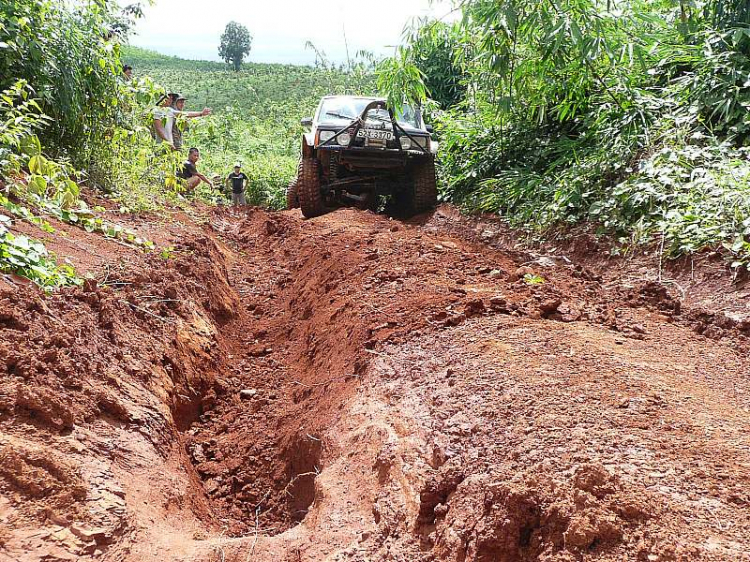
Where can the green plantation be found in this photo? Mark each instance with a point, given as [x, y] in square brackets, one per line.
[256, 112]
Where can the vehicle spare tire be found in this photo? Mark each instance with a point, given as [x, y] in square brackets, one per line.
[425, 186]
[308, 189]
[292, 200]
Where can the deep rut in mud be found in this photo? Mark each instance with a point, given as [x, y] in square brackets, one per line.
[403, 390]
[330, 298]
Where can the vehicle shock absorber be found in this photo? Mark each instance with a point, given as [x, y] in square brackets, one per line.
[333, 168]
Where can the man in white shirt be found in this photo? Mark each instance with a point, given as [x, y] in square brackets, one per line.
[164, 116]
[178, 110]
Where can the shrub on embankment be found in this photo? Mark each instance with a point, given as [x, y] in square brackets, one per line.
[629, 116]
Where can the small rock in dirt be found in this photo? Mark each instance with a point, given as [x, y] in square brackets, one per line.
[520, 272]
[248, 393]
[271, 227]
[498, 301]
[546, 261]
[199, 456]
[714, 333]
[98, 534]
[454, 320]
[638, 329]
[549, 306]
[497, 273]
[473, 307]
[624, 403]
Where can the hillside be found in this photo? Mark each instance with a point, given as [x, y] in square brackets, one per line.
[257, 112]
[255, 89]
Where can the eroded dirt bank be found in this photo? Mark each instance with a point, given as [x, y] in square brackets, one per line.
[358, 388]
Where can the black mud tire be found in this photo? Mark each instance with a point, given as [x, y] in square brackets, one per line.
[425, 186]
[308, 189]
[420, 193]
[292, 199]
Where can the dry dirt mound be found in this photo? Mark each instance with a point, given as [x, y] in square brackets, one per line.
[358, 388]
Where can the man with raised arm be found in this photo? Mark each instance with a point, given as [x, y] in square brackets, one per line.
[178, 110]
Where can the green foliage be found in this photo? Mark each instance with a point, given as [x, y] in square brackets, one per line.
[401, 79]
[235, 44]
[533, 279]
[20, 115]
[631, 117]
[70, 60]
[436, 49]
[29, 258]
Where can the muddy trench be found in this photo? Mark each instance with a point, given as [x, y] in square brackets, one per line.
[254, 437]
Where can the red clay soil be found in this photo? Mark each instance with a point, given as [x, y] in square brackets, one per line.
[357, 388]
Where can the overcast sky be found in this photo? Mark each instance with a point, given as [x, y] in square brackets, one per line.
[280, 28]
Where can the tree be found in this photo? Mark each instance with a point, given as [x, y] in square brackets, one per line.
[235, 44]
[435, 46]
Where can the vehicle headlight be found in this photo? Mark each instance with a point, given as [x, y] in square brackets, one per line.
[424, 142]
[344, 139]
[323, 136]
[405, 143]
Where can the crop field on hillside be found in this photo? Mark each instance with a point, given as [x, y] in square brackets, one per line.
[256, 112]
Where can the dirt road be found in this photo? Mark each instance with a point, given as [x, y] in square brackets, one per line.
[358, 388]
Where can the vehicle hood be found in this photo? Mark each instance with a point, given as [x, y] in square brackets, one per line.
[332, 123]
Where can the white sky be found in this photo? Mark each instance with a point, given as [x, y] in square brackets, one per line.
[280, 28]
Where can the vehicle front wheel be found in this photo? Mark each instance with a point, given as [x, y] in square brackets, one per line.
[419, 194]
[425, 186]
[308, 188]
[292, 199]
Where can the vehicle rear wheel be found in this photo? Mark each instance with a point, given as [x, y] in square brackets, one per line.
[425, 186]
[308, 188]
[292, 200]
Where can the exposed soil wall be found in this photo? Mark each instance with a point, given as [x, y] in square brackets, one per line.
[359, 388]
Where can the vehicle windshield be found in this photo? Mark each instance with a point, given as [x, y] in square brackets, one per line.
[346, 109]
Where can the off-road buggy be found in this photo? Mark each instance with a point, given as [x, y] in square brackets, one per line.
[360, 152]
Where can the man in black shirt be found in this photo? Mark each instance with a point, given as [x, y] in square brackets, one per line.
[190, 173]
[239, 181]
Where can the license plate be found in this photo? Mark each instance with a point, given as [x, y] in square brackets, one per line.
[375, 134]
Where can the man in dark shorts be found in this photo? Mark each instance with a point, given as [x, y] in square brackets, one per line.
[239, 181]
[190, 172]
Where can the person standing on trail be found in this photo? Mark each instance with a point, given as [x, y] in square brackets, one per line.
[164, 119]
[178, 110]
[190, 172]
[239, 181]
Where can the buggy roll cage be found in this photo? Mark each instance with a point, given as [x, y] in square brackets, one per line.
[359, 122]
